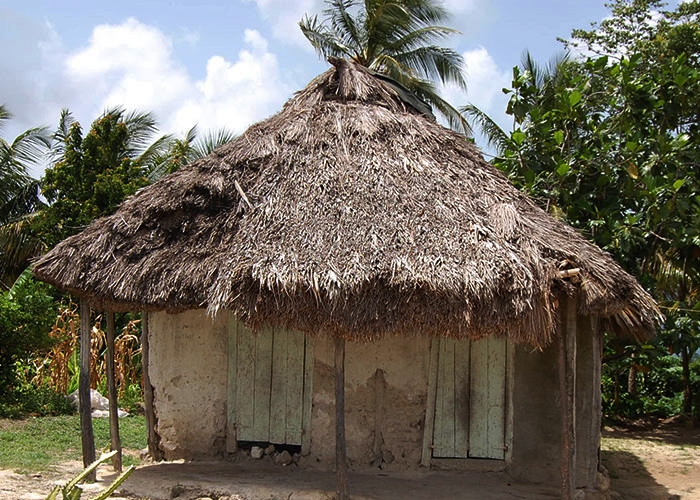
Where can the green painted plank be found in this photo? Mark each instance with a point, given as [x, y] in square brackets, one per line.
[263, 382]
[245, 384]
[444, 434]
[231, 418]
[278, 396]
[461, 397]
[294, 387]
[478, 399]
[496, 398]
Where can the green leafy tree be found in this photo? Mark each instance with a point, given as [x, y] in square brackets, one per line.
[95, 172]
[26, 314]
[19, 198]
[397, 38]
[612, 145]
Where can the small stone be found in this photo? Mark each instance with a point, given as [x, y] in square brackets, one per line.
[387, 456]
[283, 458]
[270, 449]
[296, 458]
[256, 452]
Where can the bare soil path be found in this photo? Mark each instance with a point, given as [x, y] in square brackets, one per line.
[653, 463]
[644, 464]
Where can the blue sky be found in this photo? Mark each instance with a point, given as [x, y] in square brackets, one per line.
[228, 63]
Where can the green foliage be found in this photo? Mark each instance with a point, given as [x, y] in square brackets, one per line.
[397, 38]
[95, 173]
[19, 197]
[132, 399]
[26, 314]
[39, 401]
[35, 444]
[611, 144]
[179, 152]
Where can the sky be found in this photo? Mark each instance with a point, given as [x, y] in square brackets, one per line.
[230, 63]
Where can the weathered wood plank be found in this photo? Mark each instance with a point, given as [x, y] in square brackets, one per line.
[478, 399]
[444, 439]
[263, 382]
[278, 390]
[496, 363]
[245, 384]
[461, 398]
[231, 380]
[430, 407]
[294, 396]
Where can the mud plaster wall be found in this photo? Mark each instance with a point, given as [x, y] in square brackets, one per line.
[386, 385]
[188, 373]
[536, 412]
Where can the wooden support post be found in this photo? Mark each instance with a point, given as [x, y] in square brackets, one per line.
[597, 406]
[116, 443]
[567, 389]
[86, 433]
[340, 452]
[152, 436]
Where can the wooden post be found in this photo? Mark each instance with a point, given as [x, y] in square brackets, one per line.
[153, 448]
[340, 453]
[597, 407]
[112, 393]
[86, 432]
[567, 389]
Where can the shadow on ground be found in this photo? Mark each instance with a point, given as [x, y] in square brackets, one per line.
[252, 481]
[630, 478]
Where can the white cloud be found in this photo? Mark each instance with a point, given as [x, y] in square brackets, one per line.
[460, 6]
[133, 65]
[485, 81]
[284, 17]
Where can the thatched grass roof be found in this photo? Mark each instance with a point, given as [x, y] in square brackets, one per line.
[348, 213]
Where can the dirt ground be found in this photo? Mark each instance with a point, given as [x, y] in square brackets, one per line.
[643, 463]
[653, 463]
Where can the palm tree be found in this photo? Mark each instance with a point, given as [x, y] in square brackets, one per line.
[180, 152]
[19, 198]
[545, 79]
[395, 38]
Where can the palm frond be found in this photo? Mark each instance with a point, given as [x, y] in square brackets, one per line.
[60, 135]
[213, 140]
[17, 247]
[31, 146]
[496, 137]
[435, 62]
[324, 41]
[158, 147]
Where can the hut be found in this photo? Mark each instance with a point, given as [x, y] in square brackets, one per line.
[473, 319]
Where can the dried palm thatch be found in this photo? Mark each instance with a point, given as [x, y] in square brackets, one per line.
[349, 213]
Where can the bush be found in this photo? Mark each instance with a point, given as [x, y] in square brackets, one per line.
[26, 314]
[38, 401]
[132, 399]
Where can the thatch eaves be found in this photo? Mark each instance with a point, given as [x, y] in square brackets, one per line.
[350, 213]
